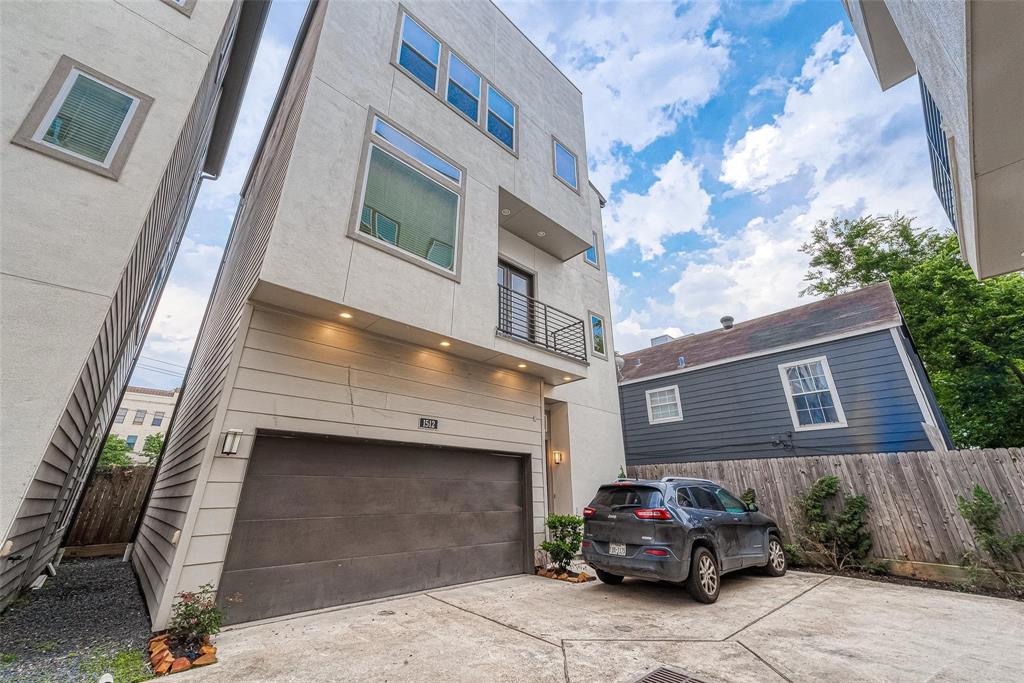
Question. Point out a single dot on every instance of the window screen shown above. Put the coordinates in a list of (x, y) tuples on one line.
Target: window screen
[(463, 87), (89, 118), (811, 395), (501, 118), (406, 208), (419, 52), (663, 404)]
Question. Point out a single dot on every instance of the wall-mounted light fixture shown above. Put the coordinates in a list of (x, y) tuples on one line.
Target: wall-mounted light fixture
[(557, 457), (231, 440)]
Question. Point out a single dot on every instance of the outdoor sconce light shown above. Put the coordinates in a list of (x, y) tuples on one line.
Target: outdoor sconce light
[(231, 441), (557, 455)]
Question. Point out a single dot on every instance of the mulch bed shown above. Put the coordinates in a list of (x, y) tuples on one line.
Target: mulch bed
[(167, 655), (570, 575), (92, 608), (919, 583)]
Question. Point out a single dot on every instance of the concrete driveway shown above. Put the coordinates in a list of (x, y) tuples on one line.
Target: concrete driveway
[(802, 627)]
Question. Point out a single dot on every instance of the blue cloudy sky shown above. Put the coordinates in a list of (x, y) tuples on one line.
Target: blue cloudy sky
[(719, 131)]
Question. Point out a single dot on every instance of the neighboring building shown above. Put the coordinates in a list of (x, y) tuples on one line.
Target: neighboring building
[(968, 56), (112, 113), (407, 360), (839, 375), (143, 412)]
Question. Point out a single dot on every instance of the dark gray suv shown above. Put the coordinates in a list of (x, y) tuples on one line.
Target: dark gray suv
[(678, 530)]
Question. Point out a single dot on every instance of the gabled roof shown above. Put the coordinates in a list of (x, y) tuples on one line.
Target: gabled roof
[(845, 314)]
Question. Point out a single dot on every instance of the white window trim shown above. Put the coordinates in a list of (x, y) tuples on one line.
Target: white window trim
[(662, 420), (58, 102), (831, 388)]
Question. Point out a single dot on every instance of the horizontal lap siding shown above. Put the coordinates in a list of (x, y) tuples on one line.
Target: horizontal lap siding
[(37, 530), (736, 410), (192, 423)]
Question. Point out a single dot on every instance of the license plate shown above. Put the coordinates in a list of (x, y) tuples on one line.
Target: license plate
[(617, 549)]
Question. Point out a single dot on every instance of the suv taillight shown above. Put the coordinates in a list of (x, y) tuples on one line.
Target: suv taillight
[(652, 513), (588, 512)]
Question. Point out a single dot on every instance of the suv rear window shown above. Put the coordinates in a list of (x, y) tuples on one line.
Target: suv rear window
[(627, 496)]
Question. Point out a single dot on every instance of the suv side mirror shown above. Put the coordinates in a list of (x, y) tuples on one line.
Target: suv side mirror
[(751, 507)]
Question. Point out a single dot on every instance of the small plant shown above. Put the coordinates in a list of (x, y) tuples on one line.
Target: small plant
[(566, 537), (115, 453), (833, 537), (153, 445), (995, 550), (622, 472), (128, 666), (195, 615), (749, 497)]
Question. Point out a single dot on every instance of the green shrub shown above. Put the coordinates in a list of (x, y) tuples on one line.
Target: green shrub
[(195, 615), (830, 536), (995, 550), (115, 453), (749, 497), (566, 537)]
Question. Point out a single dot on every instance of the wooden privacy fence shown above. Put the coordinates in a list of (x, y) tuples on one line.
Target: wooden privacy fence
[(912, 496), (110, 508)]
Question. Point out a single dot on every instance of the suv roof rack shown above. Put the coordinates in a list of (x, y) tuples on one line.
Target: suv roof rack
[(706, 481)]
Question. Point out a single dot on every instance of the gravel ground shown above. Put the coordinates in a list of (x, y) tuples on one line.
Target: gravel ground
[(92, 608)]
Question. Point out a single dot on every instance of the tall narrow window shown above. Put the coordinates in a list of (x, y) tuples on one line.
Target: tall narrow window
[(565, 165), (590, 256), (597, 341), (663, 405), (121, 414), (158, 419), (411, 198), (463, 87), (419, 52), (501, 118), (810, 391), (84, 118), (140, 417)]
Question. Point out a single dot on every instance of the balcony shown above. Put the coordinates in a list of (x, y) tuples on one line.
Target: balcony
[(522, 318)]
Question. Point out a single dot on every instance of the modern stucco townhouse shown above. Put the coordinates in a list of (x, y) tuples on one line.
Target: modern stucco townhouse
[(835, 376), (112, 113), (407, 361), (967, 55)]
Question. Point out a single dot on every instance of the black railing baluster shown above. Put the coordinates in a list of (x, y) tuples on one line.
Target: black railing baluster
[(524, 318)]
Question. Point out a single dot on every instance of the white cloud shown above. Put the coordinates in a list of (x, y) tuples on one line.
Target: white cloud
[(851, 148), (675, 203), (642, 67)]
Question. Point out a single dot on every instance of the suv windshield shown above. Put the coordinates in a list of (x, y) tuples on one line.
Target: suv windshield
[(627, 496)]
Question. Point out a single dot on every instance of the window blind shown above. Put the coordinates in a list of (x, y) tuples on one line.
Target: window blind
[(89, 119)]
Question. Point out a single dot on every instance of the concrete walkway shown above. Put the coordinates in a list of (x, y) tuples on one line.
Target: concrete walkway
[(802, 627)]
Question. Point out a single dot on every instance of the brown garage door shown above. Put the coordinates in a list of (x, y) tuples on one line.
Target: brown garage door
[(325, 522)]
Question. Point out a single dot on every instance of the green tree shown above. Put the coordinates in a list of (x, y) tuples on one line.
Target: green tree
[(115, 453), (969, 333), (153, 445)]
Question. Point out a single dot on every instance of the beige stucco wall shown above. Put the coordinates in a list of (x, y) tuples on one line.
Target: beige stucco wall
[(64, 241), (151, 403)]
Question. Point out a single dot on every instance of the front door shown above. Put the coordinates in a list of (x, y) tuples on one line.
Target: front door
[(515, 295)]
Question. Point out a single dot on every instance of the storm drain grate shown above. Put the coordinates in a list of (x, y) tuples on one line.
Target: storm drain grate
[(663, 675)]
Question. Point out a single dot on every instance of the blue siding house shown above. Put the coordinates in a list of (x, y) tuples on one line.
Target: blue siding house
[(835, 376)]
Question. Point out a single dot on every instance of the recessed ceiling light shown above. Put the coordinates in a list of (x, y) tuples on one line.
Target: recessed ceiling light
[(541, 233), (446, 343), (346, 316), (567, 379), (506, 212), (521, 365)]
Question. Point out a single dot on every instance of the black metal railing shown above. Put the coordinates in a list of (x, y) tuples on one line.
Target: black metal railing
[(524, 318), (938, 153)]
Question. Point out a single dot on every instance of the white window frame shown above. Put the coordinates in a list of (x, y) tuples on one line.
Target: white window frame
[(650, 409), (833, 391)]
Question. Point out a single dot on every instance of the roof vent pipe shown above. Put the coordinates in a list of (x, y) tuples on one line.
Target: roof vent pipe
[(726, 321)]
